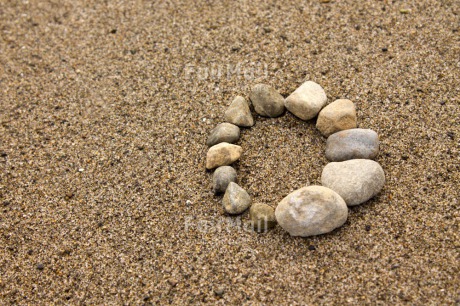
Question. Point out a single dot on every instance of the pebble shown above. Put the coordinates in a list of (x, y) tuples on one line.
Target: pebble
[(267, 101), (222, 154), (306, 101), (352, 144), (219, 291), (337, 116), (222, 177), (311, 210), (236, 199), (223, 132), (356, 180), (262, 217), (239, 113)]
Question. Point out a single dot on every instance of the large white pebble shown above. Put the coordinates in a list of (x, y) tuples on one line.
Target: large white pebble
[(311, 210), (356, 180)]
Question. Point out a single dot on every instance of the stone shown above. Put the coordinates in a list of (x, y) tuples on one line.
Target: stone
[(238, 113), (312, 210), (262, 217), (222, 177), (352, 144), (223, 132), (306, 101), (236, 200), (338, 116), (355, 180), (222, 154), (267, 101), (219, 291)]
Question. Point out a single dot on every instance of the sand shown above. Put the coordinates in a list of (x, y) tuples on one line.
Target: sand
[(105, 111)]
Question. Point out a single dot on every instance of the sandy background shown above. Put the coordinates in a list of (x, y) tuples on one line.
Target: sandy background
[(105, 110)]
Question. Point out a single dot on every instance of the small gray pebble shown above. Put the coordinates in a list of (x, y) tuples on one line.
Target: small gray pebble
[(223, 132), (267, 101), (236, 199), (239, 113), (222, 177), (352, 144)]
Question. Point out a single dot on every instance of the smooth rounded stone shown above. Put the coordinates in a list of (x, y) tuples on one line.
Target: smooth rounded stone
[(239, 113), (338, 116), (223, 132), (236, 199), (222, 177), (267, 101), (312, 210), (222, 154), (355, 180), (352, 144), (306, 101), (262, 217)]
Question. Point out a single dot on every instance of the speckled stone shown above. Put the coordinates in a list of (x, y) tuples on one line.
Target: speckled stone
[(267, 101), (222, 154), (262, 217), (223, 132), (352, 144), (306, 101), (312, 210), (337, 116), (222, 177), (236, 200), (239, 113), (356, 180)]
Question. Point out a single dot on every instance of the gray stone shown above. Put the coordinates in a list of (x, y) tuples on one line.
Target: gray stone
[(223, 132), (222, 177), (312, 210), (239, 113), (222, 154), (352, 144), (267, 101), (355, 180), (338, 116), (262, 217), (236, 200), (306, 101)]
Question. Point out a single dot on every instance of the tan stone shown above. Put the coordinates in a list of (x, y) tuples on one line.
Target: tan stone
[(338, 116), (222, 154)]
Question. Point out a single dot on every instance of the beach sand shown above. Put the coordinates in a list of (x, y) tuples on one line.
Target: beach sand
[(105, 111)]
